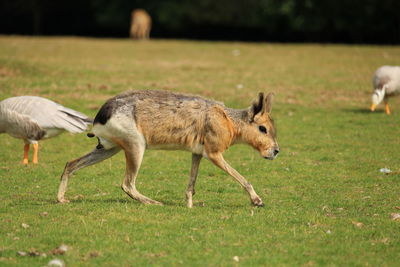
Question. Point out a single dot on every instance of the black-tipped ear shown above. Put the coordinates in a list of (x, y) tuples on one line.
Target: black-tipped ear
[(268, 102), (257, 106)]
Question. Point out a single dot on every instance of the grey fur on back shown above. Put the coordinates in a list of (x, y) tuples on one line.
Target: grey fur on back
[(157, 99)]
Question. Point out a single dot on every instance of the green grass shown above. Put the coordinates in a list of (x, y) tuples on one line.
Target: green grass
[(325, 180)]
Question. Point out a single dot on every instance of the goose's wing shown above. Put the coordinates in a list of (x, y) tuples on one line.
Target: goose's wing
[(48, 114), (389, 76), (19, 125)]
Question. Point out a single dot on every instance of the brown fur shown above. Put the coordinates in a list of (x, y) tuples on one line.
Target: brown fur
[(137, 120), (140, 24)]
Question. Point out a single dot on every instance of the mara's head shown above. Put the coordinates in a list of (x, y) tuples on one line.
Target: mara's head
[(260, 131), (377, 97)]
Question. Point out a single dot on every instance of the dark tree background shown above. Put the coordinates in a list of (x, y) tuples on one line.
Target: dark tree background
[(350, 21)]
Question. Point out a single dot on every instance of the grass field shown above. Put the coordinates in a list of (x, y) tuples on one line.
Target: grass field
[(327, 203)]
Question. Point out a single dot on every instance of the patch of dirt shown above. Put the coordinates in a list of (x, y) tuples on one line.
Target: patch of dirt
[(6, 72)]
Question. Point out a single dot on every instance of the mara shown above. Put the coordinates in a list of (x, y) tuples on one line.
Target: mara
[(140, 24), (137, 120)]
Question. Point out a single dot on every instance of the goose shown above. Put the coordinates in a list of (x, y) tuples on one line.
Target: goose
[(34, 118), (386, 83)]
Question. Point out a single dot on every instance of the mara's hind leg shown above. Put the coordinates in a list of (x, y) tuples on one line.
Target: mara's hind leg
[(91, 158), (134, 155), (192, 179)]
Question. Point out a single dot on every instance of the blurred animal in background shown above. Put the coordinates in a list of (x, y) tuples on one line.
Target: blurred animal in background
[(138, 120), (34, 118), (140, 24), (386, 83)]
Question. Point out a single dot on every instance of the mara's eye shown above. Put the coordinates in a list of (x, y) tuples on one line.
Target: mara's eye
[(262, 129)]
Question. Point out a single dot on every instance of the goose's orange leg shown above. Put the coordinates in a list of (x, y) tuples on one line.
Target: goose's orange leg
[(26, 150), (387, 109), (35, 153)]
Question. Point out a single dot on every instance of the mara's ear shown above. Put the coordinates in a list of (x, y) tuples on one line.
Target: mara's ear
[(257, 106), (268, 103)]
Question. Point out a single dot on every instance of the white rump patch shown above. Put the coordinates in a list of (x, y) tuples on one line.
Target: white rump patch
[(119, 126), (106, 143)]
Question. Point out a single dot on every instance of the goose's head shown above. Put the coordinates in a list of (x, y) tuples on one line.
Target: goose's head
[(377, 97)]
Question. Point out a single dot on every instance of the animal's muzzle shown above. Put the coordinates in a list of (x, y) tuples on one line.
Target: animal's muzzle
[(272, 153)]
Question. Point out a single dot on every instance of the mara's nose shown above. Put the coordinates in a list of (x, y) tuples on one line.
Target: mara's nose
[(276, 151)]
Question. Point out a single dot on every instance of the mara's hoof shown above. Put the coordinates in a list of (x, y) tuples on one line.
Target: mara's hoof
[(257, 202), (62, 201)]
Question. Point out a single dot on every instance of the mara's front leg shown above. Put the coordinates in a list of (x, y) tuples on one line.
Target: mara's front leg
[(219, 161), (192, 179)]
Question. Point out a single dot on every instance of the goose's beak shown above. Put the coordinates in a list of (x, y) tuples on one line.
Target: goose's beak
[(373, 106)]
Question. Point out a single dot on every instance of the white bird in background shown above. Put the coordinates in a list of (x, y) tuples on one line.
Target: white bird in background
[(386, 83), (34, 118)]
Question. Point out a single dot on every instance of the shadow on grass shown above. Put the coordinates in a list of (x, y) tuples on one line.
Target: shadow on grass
[(168, 203), (362, 111)]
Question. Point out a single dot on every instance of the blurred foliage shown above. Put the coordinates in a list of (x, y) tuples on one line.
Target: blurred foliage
[(357, 21)]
